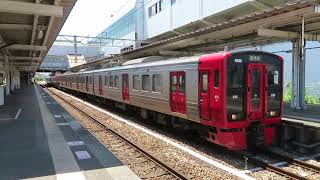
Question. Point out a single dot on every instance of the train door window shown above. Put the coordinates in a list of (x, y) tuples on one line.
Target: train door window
[(174, 83), (205, 82), (106, 81), (116, 82), (110, 81), (216, 79), (182, 82), (256, 85), (156, 83), (136, 82), (145, 82)]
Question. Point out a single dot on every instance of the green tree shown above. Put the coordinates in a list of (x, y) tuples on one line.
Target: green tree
[(287, 96), (39, 78)]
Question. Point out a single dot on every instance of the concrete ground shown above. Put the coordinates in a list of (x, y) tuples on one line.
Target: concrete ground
[(39, 139)]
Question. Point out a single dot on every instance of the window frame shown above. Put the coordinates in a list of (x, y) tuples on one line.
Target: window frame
[(106, 81), (111, 81), (142, 83), (133, 82), (116, 82), (173, 83), (202, 82), (153, 83), (182, 74)]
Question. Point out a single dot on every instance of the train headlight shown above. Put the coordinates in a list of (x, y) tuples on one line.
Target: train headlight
[(234, 116), (272, 113)]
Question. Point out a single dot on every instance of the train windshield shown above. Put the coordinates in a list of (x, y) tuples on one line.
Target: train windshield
[(236, 83)]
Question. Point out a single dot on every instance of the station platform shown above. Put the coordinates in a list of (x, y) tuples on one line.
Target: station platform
[(309, 117), (40, 140)]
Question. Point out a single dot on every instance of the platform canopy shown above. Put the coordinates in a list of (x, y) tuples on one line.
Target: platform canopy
[(257, 22), (28, 29), (276, 24)]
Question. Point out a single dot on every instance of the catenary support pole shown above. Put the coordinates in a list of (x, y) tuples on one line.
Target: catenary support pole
[(298, 71)]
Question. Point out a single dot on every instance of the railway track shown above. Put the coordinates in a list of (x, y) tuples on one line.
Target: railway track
[(276, 167), (147, 165), (253, 159)]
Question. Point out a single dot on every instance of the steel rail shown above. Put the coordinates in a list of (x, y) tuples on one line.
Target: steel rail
[(293, 161), (270, 167), (170, 169), (240, 154)]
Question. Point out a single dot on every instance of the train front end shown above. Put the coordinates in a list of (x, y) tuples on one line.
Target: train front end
[(244, 115), (254, 90)]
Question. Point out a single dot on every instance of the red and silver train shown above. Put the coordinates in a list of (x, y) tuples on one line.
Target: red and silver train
[(234, 99)]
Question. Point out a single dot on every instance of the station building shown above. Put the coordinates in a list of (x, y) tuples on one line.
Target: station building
[(147, 21)]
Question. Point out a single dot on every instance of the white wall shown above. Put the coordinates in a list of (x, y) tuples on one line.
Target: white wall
[(210, 7), (183, 12), (159, 23)]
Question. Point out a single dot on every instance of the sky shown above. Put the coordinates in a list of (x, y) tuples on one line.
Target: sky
[(90, 17)]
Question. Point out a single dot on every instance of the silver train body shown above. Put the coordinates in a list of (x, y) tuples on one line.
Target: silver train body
[(147, 99)]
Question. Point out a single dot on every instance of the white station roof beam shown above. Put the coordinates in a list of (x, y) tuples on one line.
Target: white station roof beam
[(20, 58), (26, 41), (25, 27), (18, 7), (26, 47), (287, 34)]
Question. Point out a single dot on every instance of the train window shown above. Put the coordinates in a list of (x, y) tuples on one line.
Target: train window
[(205, 82), (273, 77), (136, 82), (236, 76), (116, 82), (156, 83), (235, 89), (110, 81), (216, 79), (173, 83), (182, 83), (106, 81), (274, 89), (145, 82)]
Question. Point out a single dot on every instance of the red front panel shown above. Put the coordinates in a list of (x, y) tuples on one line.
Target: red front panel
[(211, 100), (125, 87), (177, 92)]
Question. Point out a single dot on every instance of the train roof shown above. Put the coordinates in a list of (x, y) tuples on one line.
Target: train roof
[(159, 61), (181, 60)]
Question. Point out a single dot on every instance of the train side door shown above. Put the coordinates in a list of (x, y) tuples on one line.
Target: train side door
[(125, 87), (204, 94), (100, 85), (87, 83), (257, 91), (77, 81), (177, 92)]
